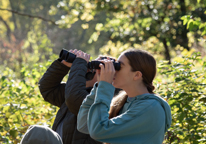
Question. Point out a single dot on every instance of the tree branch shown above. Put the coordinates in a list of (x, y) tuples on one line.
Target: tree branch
[(28, 15), (8, 28)]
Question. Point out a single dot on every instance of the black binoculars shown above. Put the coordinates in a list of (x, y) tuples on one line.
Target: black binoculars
[(70, 57)]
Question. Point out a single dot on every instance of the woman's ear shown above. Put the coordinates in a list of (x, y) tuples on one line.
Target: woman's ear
[(137, 75)]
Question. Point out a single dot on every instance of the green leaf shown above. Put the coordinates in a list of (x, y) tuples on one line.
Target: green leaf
[(99, 26), (204, 32), (203, 99), (13, 133), (202, 25), (182, 116), (185, 19), (204, 64), (190, 24), (177, 79)]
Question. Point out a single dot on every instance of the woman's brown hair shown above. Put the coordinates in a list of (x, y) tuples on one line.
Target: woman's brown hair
[(144, 62)]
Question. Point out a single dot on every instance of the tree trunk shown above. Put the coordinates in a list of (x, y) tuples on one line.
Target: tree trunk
[(167, 54), (184, 32)]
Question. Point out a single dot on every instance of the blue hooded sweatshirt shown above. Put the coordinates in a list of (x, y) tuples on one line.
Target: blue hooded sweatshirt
[(144, 119)]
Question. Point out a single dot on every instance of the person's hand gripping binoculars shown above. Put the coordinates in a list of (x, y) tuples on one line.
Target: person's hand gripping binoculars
[(79, 54)]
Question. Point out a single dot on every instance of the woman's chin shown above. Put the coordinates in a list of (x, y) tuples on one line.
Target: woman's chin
[(114, 84)]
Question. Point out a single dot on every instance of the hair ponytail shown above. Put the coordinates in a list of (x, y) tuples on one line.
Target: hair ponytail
[(150, 87), (116, 105)]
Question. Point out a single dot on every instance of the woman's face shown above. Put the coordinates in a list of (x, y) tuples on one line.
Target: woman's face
[(124, 76)]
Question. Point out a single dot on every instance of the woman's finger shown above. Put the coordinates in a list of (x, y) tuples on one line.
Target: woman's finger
[(109, 65), (102, 67)]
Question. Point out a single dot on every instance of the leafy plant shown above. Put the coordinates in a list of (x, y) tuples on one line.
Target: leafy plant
[(183, 85), (21, 104)]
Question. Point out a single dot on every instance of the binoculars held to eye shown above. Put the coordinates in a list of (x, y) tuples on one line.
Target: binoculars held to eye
[(70, 57)]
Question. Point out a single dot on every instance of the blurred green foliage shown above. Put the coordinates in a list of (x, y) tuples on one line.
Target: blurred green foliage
[(195, 22), (21, 104), (133, 22)]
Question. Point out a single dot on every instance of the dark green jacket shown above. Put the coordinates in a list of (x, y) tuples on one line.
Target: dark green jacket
[(68, 97)]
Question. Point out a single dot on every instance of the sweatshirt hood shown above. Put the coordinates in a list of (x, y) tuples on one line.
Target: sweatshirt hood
[(164, 105), (37, 134)]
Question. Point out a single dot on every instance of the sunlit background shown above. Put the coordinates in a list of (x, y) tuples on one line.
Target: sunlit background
[(33, 32)]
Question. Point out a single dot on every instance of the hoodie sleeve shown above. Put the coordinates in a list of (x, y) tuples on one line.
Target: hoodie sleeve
[(50, 85), (143, 119), (75, 91), (83, 111)]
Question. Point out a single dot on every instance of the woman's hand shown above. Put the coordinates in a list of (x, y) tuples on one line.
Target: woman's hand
[(106, 72)]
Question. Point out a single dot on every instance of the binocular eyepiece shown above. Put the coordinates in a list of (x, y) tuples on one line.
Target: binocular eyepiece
[(70, 57)]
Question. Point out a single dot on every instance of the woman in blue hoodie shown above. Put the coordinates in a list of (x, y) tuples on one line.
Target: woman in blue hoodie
[(137, 117)]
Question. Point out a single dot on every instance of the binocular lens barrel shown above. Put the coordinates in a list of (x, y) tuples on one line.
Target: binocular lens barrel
[(95, 65), (67, 56), (70, 57)]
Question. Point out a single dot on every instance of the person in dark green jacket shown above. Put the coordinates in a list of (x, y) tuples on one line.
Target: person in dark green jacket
[(68, 96), (144, 116)]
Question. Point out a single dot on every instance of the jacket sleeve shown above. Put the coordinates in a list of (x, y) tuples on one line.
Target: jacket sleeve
[(83, 111), (133, 123), (75, 91), (50, 85)]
